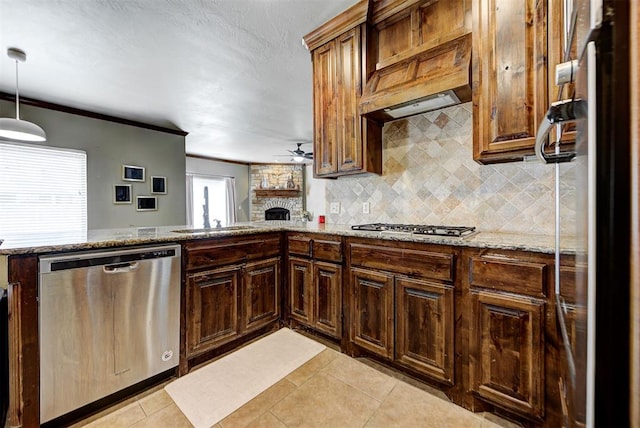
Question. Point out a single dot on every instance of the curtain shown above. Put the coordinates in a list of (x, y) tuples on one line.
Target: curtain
[(189, 199), (230, 187)]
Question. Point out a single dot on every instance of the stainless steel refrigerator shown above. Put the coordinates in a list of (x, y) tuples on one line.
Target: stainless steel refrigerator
[(593, 318)]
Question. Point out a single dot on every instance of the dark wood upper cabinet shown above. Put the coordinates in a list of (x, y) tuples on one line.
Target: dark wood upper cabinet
[(402, 29), (510, 77), (344, 142), (558, 43)]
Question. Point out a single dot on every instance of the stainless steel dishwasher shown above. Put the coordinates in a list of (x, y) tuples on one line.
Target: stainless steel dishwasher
[(108, 319)]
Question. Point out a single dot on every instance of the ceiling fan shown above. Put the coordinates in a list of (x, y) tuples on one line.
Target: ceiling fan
[(299, 155)]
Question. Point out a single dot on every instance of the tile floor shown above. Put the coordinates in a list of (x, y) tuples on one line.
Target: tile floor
[(330, 390)]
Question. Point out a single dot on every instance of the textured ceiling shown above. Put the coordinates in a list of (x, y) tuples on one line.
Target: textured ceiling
[(232, 73)]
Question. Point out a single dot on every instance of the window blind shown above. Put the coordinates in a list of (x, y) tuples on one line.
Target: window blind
[(43, 190)]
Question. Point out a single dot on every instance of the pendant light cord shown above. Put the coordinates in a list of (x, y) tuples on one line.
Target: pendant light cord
[(17, 94)]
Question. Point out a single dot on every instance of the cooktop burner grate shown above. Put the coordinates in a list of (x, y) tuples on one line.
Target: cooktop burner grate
[(419, 229)]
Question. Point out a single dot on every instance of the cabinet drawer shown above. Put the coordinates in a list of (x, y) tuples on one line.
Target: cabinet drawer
[(210, 253), (568, 276), (511, 275), (300, 245), (330, 251), (409, 262)]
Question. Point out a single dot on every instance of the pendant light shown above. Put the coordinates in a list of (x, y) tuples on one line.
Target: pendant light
[(18, 129)]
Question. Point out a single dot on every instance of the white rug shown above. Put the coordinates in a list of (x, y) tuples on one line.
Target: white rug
[(209, 394)]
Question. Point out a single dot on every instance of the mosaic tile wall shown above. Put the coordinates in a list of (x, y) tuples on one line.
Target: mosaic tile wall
[(277, 176), (429, 177)]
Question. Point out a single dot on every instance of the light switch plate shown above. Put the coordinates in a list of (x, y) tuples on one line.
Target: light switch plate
[(365, 208), (334, 208)]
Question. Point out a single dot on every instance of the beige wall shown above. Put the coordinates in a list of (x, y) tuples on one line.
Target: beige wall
[(108, 146), (429, 177)]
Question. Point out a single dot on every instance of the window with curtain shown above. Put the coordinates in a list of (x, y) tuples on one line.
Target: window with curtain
[(43, 191), (220, 194)]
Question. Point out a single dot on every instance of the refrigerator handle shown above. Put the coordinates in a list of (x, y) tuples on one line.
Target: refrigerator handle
[(565, 111)]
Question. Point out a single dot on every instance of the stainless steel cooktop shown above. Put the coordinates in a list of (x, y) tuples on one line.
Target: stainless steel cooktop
[(419, 229)]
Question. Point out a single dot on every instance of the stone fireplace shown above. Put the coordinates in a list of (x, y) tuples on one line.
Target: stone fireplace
[(275, 194)]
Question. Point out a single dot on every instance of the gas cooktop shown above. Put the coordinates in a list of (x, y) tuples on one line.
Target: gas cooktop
[(419, 229)]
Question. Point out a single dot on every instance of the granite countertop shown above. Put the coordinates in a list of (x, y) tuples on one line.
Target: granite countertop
[(105, 238)]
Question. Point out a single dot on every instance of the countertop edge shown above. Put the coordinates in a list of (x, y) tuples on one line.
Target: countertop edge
[(108, 238)]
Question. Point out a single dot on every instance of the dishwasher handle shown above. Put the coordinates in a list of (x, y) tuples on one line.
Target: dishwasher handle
[(120, 268)]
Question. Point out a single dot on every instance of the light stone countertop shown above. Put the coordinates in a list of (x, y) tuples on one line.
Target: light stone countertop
[(106, 238)]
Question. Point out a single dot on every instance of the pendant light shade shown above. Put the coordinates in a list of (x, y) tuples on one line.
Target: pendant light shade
[(18, 129)]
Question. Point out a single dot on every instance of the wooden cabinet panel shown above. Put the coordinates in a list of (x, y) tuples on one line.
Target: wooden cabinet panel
[(373, 311), (576, 323), (508, 349), (315, 282), (418, 27), (301, 289), (212, 305), (261, 285), (299, 245), (327, 279), (327, 250), (402, 260), (557, 45), (344, 142), (424, 327), (348, 92), (219, 252), (511, 275), (325, 115), (509, 77)]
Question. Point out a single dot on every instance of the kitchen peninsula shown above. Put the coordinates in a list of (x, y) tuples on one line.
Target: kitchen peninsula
[(472, 316)]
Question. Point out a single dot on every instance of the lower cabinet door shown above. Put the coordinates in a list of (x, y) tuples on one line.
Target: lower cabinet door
[(373, 311), (327, 285), (508, 348), (261, 299), (300, 290), (424, 328), (212, 305)]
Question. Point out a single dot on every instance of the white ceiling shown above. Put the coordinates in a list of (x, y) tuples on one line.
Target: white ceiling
[(232, 73)]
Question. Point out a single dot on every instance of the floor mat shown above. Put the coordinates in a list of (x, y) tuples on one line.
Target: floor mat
[(209, 394)]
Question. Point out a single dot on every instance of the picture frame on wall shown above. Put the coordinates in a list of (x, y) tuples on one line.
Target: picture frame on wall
[(158, 185), (146, 203), (122, 193), (132, 173)]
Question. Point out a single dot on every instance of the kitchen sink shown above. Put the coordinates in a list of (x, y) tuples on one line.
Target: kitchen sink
[(213, 229)]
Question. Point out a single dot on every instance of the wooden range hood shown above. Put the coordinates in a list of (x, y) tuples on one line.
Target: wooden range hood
[(418, 57), (427, 81)]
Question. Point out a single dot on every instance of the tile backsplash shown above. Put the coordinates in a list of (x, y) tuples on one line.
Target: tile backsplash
[(430, 177)]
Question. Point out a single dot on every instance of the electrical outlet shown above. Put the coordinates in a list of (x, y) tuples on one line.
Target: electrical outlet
[(334, 208), (365, 208)]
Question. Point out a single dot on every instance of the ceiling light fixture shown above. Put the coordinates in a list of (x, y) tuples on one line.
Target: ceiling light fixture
[(17, 129), (298, 158)]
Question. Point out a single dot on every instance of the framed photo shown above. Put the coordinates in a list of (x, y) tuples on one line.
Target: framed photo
[(146, 203), (158, 185), (132, 173), (122, 193)]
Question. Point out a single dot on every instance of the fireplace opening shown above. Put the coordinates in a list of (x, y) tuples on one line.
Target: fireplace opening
[(277, 213)]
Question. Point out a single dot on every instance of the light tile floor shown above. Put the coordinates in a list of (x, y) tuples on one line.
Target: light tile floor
[(330, 390)]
